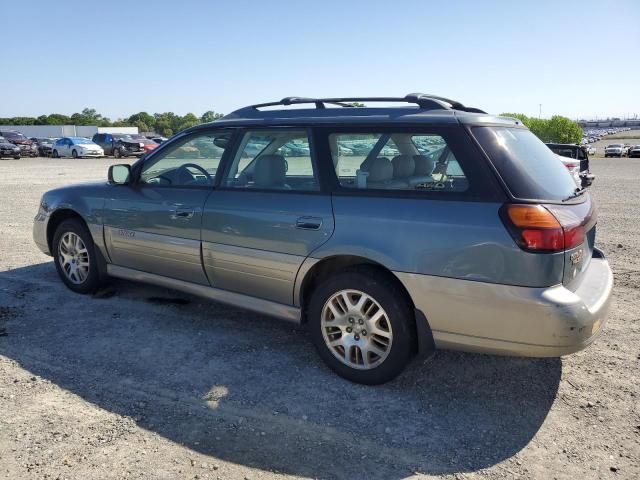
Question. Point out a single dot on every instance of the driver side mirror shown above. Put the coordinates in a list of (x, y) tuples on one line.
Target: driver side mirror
[(119, 174)]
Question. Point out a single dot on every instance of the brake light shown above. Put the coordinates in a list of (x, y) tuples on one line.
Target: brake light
[(537, 228)]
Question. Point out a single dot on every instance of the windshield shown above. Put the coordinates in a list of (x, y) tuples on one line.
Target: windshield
[(530, 169), (80, 141), (615, 145)]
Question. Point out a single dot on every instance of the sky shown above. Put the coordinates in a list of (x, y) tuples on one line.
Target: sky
[(576, 58)]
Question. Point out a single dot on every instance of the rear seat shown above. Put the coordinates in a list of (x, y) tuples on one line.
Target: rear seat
[(381, 175), (424, 168), (404, 167), (412, 170)]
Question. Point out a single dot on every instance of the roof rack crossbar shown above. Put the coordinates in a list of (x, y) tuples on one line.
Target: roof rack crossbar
[(424, 101)]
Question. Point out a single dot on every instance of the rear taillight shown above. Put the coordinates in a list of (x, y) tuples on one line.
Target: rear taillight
[(552, 228), (571, 166)]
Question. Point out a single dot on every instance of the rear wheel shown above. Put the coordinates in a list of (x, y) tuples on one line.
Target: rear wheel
[(74, 154), (16, 157), (75, 256), (55, 154), (117, 153), (362, 325)]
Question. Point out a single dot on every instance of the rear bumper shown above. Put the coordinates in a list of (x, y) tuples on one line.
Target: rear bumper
[(510, 320)]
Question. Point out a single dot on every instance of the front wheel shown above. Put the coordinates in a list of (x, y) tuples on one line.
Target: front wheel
[(117, 153), (75, 257), (363, 326), (74, 154), (55, 154), (16, 157)]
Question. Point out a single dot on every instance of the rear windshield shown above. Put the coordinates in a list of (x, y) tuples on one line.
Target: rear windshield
[(530, 169)]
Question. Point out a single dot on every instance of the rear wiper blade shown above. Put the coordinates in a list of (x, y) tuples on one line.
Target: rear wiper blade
[(576, 193)]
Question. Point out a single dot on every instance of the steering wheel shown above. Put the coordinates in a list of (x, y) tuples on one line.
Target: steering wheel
[(183, 169)]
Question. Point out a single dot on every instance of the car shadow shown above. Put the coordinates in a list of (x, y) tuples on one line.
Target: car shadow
[(247, 389)]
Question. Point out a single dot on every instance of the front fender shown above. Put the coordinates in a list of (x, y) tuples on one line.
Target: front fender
[(84, 200)]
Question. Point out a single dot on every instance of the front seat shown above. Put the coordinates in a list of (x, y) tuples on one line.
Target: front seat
[(270, 172)]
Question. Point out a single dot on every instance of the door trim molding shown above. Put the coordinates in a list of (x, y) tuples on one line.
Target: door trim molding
[(265, 307)]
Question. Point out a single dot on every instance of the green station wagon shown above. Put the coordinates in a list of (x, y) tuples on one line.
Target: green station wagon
[(411, 224)]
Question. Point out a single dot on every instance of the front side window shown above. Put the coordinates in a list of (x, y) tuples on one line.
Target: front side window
[(396, 161), (192, 161), (273, 160)]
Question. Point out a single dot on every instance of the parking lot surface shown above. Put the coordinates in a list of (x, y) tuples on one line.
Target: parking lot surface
[(143, 382)]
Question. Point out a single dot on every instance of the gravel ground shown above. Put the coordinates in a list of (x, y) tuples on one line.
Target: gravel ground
[(143, 382)]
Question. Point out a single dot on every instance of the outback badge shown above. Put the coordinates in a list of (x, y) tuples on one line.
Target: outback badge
[(576, 257)]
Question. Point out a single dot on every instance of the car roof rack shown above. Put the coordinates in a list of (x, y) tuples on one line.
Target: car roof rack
[(423, 100)]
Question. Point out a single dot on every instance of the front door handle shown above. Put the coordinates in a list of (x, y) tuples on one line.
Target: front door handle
[(309, 223)]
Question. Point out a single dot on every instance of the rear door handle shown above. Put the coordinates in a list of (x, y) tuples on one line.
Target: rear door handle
[(182, 213), (309, 223)]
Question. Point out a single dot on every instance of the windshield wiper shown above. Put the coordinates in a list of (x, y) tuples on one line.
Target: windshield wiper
[(576, 193)]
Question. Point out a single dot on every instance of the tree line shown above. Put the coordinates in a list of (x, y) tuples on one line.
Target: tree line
[(165, 124), (557, 129)]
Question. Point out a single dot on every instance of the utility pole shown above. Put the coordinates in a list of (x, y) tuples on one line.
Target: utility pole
[(540, 111)]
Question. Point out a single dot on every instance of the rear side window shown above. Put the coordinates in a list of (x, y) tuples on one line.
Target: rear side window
[(396, 161), (529, 168)]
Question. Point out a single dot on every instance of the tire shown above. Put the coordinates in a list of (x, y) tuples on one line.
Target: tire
[(117, 153), (54, 154), (74, 154), (66, 231), (396, 323), (17, 157)]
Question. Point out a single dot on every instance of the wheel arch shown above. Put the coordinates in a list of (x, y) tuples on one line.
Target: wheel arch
[(334, 264), (57, 218), (322, 269), (66, 213)]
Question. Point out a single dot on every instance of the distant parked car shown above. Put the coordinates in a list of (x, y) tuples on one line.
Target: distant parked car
[(634, 151), (579, 154), (119, 144), (148, 144), (24, 144), (76, 147), (8, 149), (158, 139), (573, 166), (614, 150), (44, 145), (591, 150)]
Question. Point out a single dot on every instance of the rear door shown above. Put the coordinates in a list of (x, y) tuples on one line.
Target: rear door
[(154, 224), (268, 215)]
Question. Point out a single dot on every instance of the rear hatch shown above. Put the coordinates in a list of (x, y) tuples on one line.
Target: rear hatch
[(548, 213)]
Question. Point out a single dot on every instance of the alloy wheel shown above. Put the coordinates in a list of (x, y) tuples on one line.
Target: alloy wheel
[(73, 257), (356, 329)]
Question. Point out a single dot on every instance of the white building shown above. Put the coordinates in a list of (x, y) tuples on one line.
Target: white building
[(65, 130)]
